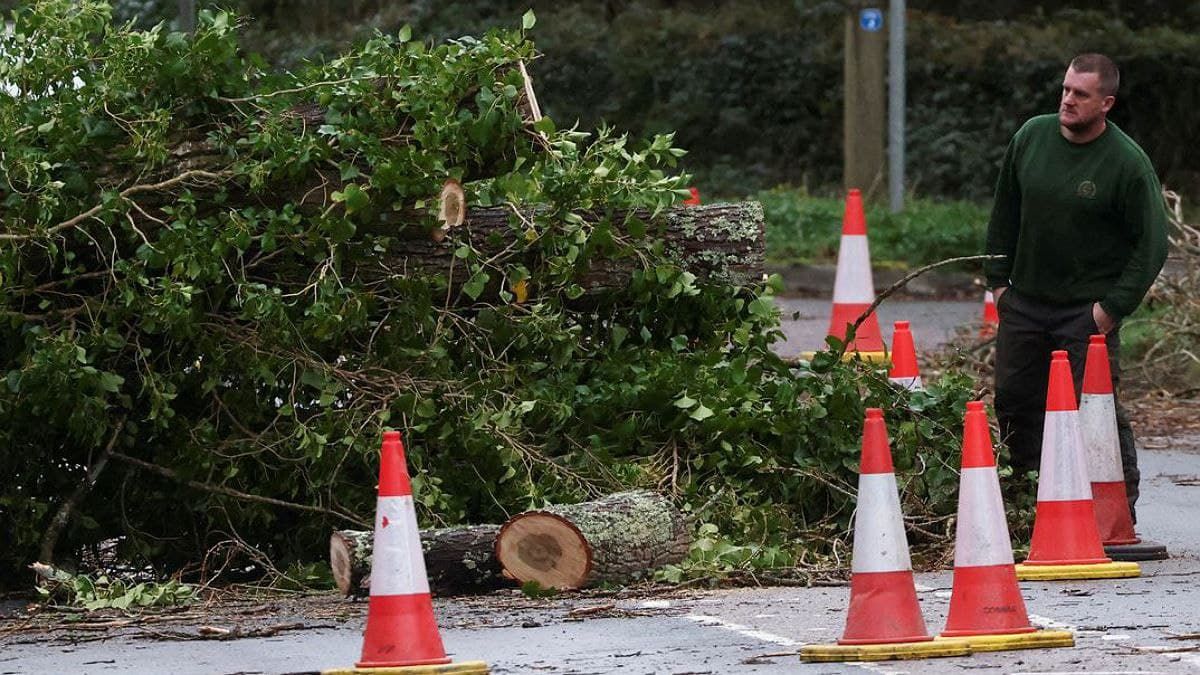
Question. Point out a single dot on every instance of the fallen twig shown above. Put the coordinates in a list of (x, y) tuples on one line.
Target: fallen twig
[(588, 611), (765, 658)]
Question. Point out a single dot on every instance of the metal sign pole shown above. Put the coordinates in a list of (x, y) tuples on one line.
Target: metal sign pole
[(896, 104)]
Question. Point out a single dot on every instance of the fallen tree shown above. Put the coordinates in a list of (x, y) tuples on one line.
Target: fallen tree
[(205, 353)]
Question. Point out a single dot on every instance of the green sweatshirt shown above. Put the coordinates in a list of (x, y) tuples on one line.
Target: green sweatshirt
[(1078, 222)]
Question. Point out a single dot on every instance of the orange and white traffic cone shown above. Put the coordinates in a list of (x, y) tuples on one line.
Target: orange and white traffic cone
[(1098, 418), (1066, 543), (694, 199), (986, 607), (402, 634), (991, 317), (853, 287), (905, 371), (884, 619)]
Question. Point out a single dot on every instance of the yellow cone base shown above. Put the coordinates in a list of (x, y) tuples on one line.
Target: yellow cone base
[(1042, 639), (886, 652), (463, 668), (1110, 570), (869, 357)]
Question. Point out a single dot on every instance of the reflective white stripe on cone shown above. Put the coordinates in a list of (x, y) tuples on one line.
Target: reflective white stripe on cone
[(397, 564)]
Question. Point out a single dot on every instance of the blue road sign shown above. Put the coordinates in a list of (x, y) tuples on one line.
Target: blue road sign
[(870, 19)]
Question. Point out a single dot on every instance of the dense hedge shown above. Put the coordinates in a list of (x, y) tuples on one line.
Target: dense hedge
[(754, 89)]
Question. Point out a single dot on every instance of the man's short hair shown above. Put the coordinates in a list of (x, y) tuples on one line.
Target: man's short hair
[(1110, 77)]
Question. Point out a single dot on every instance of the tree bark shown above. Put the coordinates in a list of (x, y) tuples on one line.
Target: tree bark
[(719, 242), (457, 560), (615, 539)]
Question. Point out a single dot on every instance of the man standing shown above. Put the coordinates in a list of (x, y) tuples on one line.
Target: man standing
[(1079, 215)]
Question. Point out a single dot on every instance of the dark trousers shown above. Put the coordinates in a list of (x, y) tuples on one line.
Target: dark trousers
[(1029, 331)]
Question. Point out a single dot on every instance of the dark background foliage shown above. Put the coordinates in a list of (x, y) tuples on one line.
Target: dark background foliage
[(753, 89)]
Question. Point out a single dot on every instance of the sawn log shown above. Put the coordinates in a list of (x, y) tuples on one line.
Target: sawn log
[(457, 560), (615, 539)]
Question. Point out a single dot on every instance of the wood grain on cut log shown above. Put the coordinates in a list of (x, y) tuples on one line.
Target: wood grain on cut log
[(457, 560), (615, 539)]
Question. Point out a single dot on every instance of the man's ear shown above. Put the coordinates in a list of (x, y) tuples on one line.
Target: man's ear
[(1108, 103)]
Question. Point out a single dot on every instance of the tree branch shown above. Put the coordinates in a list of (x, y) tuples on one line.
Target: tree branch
[(236, 494), (909, 277), (125, 194), (63, 515)]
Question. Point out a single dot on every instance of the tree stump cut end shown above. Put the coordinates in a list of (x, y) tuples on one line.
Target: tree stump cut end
[(545, 548)]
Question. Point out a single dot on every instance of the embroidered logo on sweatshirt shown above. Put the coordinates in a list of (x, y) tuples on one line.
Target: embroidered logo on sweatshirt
[(1086, 189)]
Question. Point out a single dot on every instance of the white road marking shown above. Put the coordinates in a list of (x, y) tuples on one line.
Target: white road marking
[(1114, 637), (746, 631), (655, 604), (1091, 672), (1045, 622), (705, 620)]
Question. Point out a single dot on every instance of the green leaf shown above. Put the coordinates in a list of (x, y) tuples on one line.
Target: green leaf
[(685, 402), (111, 382), (619, 333), (353, 196), (405, 34), (528, 20), (701, 413), (475, 285)]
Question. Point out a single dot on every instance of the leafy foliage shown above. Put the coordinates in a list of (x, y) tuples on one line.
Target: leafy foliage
[(806, 227), (104, 592), (200, 284)]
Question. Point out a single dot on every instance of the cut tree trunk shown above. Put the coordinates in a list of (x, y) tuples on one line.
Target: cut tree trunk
[(457, 560), (615, 539), (719, 242)]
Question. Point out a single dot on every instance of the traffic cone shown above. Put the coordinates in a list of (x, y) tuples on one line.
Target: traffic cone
[(991, 318), (402, 634), (884, 619), (1098, 418), (905, 371), (694, 200), (986, 607), (853, 287), (1066, 543)]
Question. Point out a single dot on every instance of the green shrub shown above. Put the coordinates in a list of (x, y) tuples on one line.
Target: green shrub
[(804, 228)]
